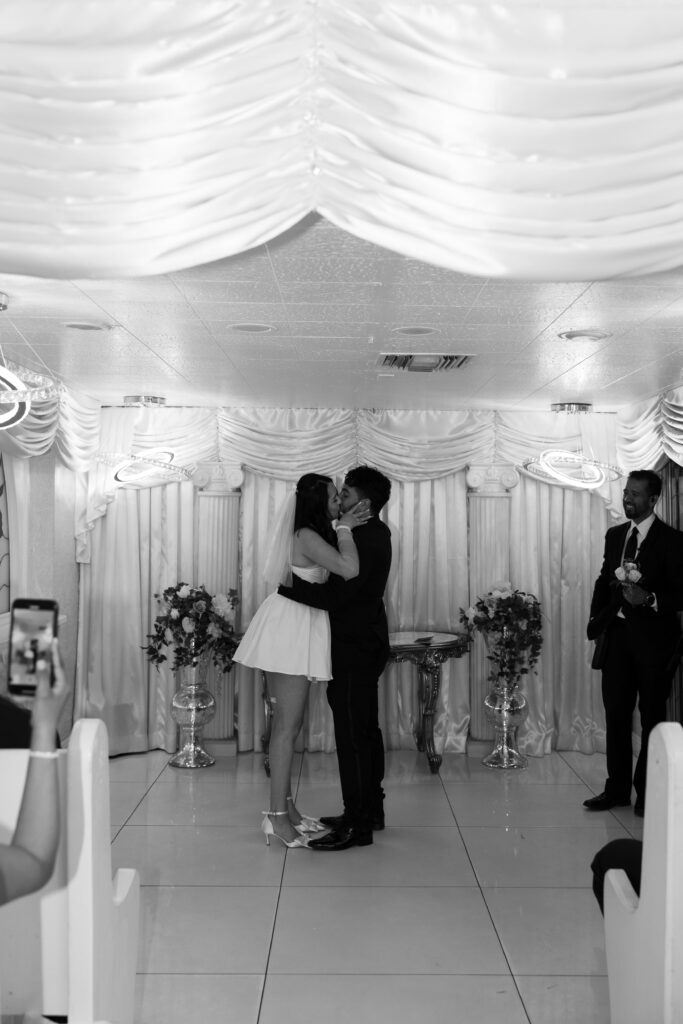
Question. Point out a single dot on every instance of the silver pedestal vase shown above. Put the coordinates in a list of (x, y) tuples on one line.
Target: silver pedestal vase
[(505, 708), (192, 708)]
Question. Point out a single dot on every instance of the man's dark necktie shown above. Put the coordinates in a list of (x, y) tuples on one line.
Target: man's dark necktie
[(631, 546)]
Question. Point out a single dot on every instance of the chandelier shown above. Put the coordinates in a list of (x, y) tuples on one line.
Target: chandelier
[(570, 469), (154, 467), (20, 387)]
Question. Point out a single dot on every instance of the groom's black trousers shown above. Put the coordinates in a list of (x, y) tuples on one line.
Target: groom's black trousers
[(353, 697)]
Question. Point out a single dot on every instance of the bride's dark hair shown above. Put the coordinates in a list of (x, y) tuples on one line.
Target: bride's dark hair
[(311, 505)]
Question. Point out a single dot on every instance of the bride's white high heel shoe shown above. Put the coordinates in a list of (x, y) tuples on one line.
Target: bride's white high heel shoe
[(307, 825), (268, 830)]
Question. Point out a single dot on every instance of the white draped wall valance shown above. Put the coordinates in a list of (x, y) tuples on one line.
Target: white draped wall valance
[(284, 443), (651, 431), (488, 138)]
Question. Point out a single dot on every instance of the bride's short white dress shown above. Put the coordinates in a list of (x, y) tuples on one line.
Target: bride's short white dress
[(285, 636)]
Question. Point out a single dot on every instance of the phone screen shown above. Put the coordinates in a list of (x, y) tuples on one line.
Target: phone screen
[(33, 626)]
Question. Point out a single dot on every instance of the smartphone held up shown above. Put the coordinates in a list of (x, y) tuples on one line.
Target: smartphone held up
[(33, 626)]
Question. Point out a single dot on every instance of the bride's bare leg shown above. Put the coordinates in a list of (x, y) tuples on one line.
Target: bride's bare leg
[(288, 695)]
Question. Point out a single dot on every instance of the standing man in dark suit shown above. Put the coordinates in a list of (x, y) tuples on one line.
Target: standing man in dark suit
[(637, 622), (360, 648)]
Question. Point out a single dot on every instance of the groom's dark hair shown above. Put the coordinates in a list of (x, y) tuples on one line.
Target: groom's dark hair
[(371, 483)]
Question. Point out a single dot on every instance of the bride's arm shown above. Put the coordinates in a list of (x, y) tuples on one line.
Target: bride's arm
[(343, 562)]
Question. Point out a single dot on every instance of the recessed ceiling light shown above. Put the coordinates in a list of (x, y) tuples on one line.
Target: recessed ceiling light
[(251, 328), (589, 334), (415, 331), (86, 325)]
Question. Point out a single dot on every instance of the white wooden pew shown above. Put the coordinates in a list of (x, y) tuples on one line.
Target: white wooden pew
[(71, 948), (644, 936)]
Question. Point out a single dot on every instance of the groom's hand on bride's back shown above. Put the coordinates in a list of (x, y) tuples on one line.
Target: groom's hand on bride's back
[(327, 596)]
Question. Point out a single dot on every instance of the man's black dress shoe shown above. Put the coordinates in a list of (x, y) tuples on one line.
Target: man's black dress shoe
[(341, 839), (639, 809), (339, 821), (332, 820), (604, 803)]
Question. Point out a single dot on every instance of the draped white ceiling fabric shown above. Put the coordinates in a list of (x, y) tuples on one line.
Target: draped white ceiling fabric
[(525, 140)]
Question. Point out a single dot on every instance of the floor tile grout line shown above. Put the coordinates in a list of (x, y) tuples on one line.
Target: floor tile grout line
[(144, 795), (295, 790), (488, 910), (573, 769)]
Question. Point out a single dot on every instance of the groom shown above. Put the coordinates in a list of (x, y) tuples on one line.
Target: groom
[(360, 648)]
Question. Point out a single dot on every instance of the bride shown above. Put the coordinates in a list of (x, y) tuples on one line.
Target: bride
[(289, 641)]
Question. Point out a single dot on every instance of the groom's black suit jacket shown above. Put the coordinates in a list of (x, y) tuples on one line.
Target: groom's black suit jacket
[(660, 560), (358, 619)]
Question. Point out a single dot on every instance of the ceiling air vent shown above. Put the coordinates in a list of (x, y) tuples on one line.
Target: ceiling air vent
[(423, 362), (143, 401)]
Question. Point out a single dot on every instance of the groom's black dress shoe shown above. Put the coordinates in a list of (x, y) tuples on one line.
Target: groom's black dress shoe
[(639, 808), (339, 821), (341, 839), (604, 803)]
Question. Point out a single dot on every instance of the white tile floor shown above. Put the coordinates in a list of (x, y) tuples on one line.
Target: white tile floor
[(473, 906)]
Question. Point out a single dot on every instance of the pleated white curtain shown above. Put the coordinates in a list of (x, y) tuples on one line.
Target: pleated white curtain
[(427, 587), (143, 544), (556, 548), (189, 433)]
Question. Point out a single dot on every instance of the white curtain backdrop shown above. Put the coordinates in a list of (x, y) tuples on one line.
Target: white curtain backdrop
[(427, 587), (556, 548), (143, 544), (488, 138), (142, 540)]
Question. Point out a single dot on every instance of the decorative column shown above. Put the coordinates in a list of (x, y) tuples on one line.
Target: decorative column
[(488, 517), (217, 562)]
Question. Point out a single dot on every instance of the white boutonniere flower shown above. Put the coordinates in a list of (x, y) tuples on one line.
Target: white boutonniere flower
[(628, 574)]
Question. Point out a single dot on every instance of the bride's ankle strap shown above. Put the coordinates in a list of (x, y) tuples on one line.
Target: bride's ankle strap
[(275, 814)]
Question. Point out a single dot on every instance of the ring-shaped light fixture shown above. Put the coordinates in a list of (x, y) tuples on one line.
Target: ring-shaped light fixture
[(12, 411), (20, 387), (570, 469), (147, 469)]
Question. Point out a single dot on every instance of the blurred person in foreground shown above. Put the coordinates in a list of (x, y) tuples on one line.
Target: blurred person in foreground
[(27, 862)]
